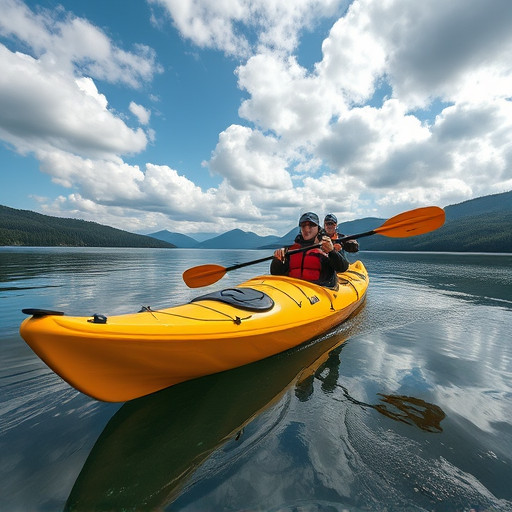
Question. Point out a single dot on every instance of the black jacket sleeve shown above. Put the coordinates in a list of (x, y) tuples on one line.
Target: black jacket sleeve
[(338, 261), (278, 268), (335, 262)]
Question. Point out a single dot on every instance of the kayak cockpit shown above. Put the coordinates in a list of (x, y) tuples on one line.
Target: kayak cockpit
[(245, 298)]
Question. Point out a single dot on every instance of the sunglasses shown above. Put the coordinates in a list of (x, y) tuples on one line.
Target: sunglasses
[(330, 223), (308, 224)]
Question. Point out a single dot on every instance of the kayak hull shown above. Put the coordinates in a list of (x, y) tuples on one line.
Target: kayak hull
[(137, 354)]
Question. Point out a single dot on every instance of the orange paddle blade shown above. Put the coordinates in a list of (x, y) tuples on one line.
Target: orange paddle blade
[(203, 275), (412, 223)]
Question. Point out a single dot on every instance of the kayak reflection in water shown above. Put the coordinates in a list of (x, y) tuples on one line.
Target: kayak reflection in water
[(152, 446)]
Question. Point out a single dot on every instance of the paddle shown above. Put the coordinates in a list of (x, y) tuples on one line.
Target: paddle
[(411, 223)]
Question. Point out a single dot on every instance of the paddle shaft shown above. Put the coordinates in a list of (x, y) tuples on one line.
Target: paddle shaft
[(353, 237), (302, 249), (267, 258)]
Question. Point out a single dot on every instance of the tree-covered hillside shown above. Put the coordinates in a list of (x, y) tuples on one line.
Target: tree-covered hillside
[(493, 203), (23, 227), (482, 224), (488, 232)]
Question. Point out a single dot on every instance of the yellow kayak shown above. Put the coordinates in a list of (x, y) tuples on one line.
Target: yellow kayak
[(124, 357)]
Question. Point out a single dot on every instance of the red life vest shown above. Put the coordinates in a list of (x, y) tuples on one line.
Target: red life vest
[(306, 265)]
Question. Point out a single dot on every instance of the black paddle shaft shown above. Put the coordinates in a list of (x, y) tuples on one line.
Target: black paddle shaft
[(267, 258), (302, 249), (295, 251)]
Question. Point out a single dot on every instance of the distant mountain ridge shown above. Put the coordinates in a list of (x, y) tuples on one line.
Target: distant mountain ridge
[(234, 239), (237, 239), (177, 239), (481, 225)]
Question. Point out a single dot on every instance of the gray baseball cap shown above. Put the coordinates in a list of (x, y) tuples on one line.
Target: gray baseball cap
[(309, 216)]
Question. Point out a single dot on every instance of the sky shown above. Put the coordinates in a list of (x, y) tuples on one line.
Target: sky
[(208, 115)]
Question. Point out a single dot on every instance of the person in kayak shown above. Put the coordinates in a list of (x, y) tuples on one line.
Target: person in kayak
[(319, 264), (330, 225)]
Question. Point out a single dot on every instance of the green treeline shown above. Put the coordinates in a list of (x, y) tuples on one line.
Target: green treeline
[(488, 232), (23, 227)]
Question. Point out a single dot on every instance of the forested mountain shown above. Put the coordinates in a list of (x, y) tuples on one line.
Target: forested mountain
[(23, 227), (483, 224), (488, 232), (494, 203)]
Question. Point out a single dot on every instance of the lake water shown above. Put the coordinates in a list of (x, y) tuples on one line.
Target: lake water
[(405, 407)]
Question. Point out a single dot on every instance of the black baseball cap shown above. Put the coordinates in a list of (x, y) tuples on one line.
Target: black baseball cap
[(309, 216)]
